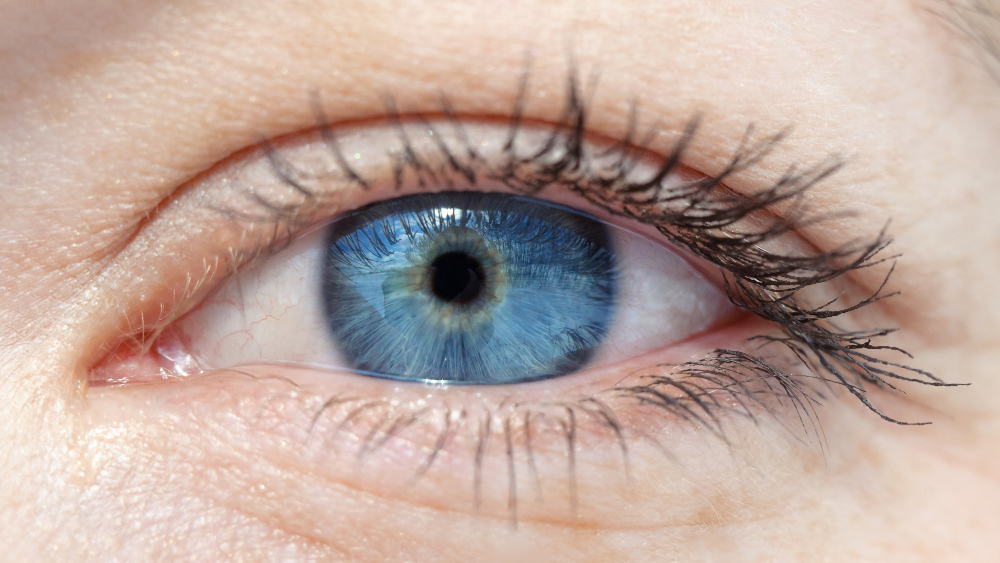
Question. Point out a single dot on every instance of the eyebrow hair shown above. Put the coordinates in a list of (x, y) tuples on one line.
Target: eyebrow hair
[(979, 22)]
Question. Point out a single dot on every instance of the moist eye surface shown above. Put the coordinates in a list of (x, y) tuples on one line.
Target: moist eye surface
[(468, 287)]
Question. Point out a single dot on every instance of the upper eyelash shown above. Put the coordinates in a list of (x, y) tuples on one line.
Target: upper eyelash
[(700, 216), (757, 280)]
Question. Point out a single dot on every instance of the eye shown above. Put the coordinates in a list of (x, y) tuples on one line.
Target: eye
[(491, 270), (457, 287)]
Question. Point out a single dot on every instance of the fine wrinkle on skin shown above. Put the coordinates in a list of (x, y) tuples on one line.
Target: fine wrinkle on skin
[(288, 470)]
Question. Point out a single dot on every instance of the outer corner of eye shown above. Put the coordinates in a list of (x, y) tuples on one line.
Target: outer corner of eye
[(456, 287)]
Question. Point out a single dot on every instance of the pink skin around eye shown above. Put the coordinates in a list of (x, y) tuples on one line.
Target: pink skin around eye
[(167, 358)]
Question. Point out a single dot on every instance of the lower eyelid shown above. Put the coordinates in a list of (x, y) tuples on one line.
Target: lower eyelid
[(358, 432), (274, 404)]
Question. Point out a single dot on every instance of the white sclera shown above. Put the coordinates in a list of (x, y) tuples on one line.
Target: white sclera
[(662, 299), (272, 312)]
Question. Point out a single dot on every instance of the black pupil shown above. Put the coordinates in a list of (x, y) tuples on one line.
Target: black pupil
[(456, 277)]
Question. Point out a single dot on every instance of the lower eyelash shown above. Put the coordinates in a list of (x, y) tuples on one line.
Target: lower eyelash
[(700, 392)]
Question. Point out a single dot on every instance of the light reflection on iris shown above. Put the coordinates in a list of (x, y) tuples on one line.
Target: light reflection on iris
[(469, 288)]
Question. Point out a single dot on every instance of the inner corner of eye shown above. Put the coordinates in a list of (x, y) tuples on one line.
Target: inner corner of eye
[(451, 287), (147, 358)]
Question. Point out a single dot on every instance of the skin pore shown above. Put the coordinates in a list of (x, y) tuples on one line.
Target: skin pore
[(118, 116)]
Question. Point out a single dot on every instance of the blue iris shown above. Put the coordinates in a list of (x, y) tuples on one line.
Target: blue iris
[(468, 287)]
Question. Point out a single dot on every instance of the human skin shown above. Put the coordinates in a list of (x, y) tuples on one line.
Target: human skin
[(111, 112)]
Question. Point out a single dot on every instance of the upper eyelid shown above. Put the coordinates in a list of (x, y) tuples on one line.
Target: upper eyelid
[(625, 154), (272, 151), (199, 202)]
